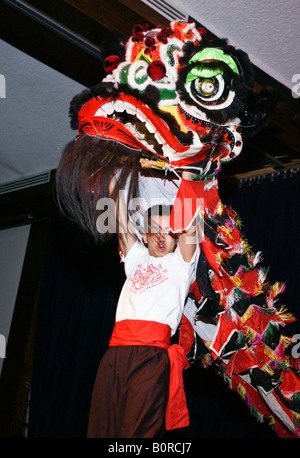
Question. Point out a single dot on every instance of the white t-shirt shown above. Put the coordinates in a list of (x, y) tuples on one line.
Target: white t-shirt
[(156, 287)]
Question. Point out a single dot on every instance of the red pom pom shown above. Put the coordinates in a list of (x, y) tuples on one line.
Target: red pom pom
[(164, 34), (202, 31), (138, 36), (150, 41), (110, 63), (140, 28), (137, 28), (156, 70)]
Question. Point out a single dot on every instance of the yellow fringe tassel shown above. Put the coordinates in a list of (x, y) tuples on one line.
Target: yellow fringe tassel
[(237, 281), (271, 421), (266, 368), (241, 390), (250, 334), (284, 316), (220, 207), (247, 314)]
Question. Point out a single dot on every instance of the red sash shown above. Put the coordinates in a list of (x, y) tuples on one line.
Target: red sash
[(152, 333)]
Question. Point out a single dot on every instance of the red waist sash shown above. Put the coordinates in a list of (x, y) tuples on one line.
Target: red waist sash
[(152, 333)]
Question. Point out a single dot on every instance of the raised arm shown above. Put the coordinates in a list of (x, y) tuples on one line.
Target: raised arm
[(125, 236), (188, 240)]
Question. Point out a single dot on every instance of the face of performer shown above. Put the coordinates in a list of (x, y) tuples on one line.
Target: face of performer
[(158, 238)]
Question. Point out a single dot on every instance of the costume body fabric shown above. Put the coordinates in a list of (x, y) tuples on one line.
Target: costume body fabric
[(133, 399), (176, 99)]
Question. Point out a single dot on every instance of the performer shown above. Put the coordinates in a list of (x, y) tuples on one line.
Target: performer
[(131, 397)]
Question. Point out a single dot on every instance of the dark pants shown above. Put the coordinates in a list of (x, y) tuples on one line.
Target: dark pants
[(130, 394)]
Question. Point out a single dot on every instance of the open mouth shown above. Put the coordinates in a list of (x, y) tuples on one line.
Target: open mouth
[(147, 127), (161, 246), (142, 128)]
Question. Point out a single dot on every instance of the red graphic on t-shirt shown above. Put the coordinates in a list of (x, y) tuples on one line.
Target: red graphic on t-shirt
[(147, 278)]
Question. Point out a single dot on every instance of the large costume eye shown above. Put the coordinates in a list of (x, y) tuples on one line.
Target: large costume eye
[(210, 91), (209, 79)]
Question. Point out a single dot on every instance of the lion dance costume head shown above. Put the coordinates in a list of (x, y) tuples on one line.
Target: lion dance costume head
[(175, 99)]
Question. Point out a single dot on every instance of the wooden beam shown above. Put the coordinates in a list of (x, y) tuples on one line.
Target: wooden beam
[(119, 16), (44, 44)]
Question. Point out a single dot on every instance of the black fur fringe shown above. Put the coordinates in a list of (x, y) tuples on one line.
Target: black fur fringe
[(83, 176)]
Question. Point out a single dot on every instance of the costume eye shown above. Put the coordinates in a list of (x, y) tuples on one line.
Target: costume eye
[(209, 78), (205, 87), (208, 90)]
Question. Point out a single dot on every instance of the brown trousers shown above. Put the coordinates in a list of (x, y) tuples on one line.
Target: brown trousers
[(130, 394)]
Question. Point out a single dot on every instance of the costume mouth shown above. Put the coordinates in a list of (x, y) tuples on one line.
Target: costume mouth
[(135, 124), (148, 127), (142, 130)]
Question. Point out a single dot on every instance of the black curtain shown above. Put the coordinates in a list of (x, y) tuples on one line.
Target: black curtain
[(79, 294), (269, 207)]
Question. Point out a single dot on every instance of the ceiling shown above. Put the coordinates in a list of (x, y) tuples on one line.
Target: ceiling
[(50, 51)]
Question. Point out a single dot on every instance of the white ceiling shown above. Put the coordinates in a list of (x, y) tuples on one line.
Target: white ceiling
[(34, 125)]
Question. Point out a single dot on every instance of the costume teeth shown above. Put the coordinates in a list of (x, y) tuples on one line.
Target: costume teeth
[(129, 108), (150, 127), (159, 139), (100, 112), (140, 115), (119, 106), (108, 108), (167, 150)]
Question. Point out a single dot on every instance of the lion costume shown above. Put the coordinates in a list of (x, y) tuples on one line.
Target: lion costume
[(179, 99)]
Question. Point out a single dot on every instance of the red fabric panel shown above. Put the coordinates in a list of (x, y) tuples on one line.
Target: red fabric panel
[(139, 332)]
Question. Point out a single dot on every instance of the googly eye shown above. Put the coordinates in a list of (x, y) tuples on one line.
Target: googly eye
[(205, 87), (209, 91)]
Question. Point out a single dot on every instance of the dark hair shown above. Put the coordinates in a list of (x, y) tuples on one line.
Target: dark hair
[(83, 175), (156, 210), (159, 210)]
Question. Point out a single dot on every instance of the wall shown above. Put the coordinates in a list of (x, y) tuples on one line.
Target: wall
[(13, 243)]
